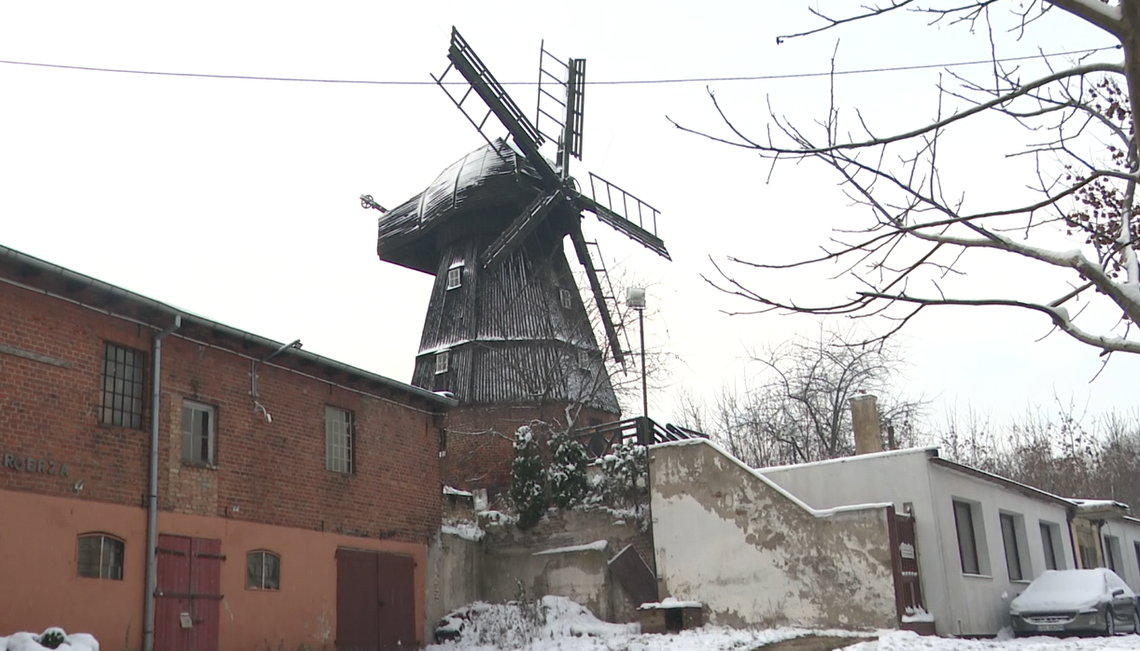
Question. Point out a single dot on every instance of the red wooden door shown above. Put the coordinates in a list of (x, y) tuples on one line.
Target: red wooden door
[(911, 609), (375, 601), (187, 594)]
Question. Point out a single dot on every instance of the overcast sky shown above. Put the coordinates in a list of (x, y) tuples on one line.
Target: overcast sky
[(237, 199)]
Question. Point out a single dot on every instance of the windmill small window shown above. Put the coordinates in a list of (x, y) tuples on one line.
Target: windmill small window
[(584, 359), (565, 297), (455, 276), (441, 362)]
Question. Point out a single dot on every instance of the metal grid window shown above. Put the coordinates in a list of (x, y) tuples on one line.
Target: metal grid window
[(199, 439), (262, 570), (100, 557), (122, 400), (338, 440)]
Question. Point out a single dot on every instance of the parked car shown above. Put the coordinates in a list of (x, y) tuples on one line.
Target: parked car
[(1076, 601)]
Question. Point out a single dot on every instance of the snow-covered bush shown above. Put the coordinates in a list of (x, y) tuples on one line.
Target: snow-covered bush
[(528, 478), (568, 483), (623, 481), (52, 638)]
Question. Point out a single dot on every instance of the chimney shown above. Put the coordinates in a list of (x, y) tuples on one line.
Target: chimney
[(865, 421)]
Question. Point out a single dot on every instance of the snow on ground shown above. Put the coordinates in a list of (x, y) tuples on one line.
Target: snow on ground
[(570, 627)]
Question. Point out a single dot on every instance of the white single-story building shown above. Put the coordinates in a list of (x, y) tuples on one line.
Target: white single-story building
[(980, 538)]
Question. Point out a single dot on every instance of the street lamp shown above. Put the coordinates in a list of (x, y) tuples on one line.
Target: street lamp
[(635, 298)]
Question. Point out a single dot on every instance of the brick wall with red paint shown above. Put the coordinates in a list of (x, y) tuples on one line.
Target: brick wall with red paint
[(480, 438), (51, 354)]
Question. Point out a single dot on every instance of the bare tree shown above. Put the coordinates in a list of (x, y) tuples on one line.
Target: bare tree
[(915, 230), (1064, 450), (797, 409)]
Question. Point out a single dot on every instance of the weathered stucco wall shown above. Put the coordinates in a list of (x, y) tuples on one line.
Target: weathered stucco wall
[(754, 555), (511, 557), (454, 567)]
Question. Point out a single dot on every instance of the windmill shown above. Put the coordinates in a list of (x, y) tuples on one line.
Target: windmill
[(506, 324)]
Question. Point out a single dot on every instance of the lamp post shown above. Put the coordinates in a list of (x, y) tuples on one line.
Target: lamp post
[(635, 298)]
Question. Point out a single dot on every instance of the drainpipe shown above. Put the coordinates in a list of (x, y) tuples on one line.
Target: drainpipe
[(152, 491)]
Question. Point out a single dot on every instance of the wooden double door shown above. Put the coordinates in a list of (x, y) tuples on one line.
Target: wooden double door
[(187, 594), (375, 601)]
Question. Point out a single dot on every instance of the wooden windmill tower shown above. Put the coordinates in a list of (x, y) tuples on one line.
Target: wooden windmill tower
[(506, 330)]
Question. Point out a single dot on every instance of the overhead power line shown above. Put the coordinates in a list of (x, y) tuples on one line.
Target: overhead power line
[(626, 82)]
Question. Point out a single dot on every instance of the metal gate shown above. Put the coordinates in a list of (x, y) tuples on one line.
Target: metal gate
[(375, 601), (187, 594), (909, 605)]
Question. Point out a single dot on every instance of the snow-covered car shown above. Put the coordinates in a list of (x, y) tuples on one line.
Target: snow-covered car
[(1075, 601)]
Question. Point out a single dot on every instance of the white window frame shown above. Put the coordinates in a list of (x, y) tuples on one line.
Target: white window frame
[(191, 440), (442, 362), (584, 361), (109, 564), (262, 581), (565, 297), (339, 439), (455, 277)]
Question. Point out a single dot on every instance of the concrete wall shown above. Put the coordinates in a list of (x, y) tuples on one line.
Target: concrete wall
[(1127, 534), (755, 556), (454, 568), (962, 604), (511, 556)]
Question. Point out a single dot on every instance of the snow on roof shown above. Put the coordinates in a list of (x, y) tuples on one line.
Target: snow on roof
[(819, 513), (448, 490), (1091, 505), (929, 451), (670, 602), (597, 545), (463, 529)]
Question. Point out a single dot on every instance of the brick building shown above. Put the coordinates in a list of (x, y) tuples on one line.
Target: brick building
[(288, 489)]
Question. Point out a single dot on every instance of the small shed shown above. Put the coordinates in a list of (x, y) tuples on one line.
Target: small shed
[(670, 616)]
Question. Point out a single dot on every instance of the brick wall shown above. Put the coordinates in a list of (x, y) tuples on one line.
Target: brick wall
[(479, 440), (51, 353)]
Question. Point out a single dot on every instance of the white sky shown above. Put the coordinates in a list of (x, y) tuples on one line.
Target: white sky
[(237, 199)]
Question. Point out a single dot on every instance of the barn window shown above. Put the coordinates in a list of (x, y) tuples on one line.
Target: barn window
[(100, 557), (455, 276), (338, 440), (122, 395), (262, 570), (199, 439), (441, 362)]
